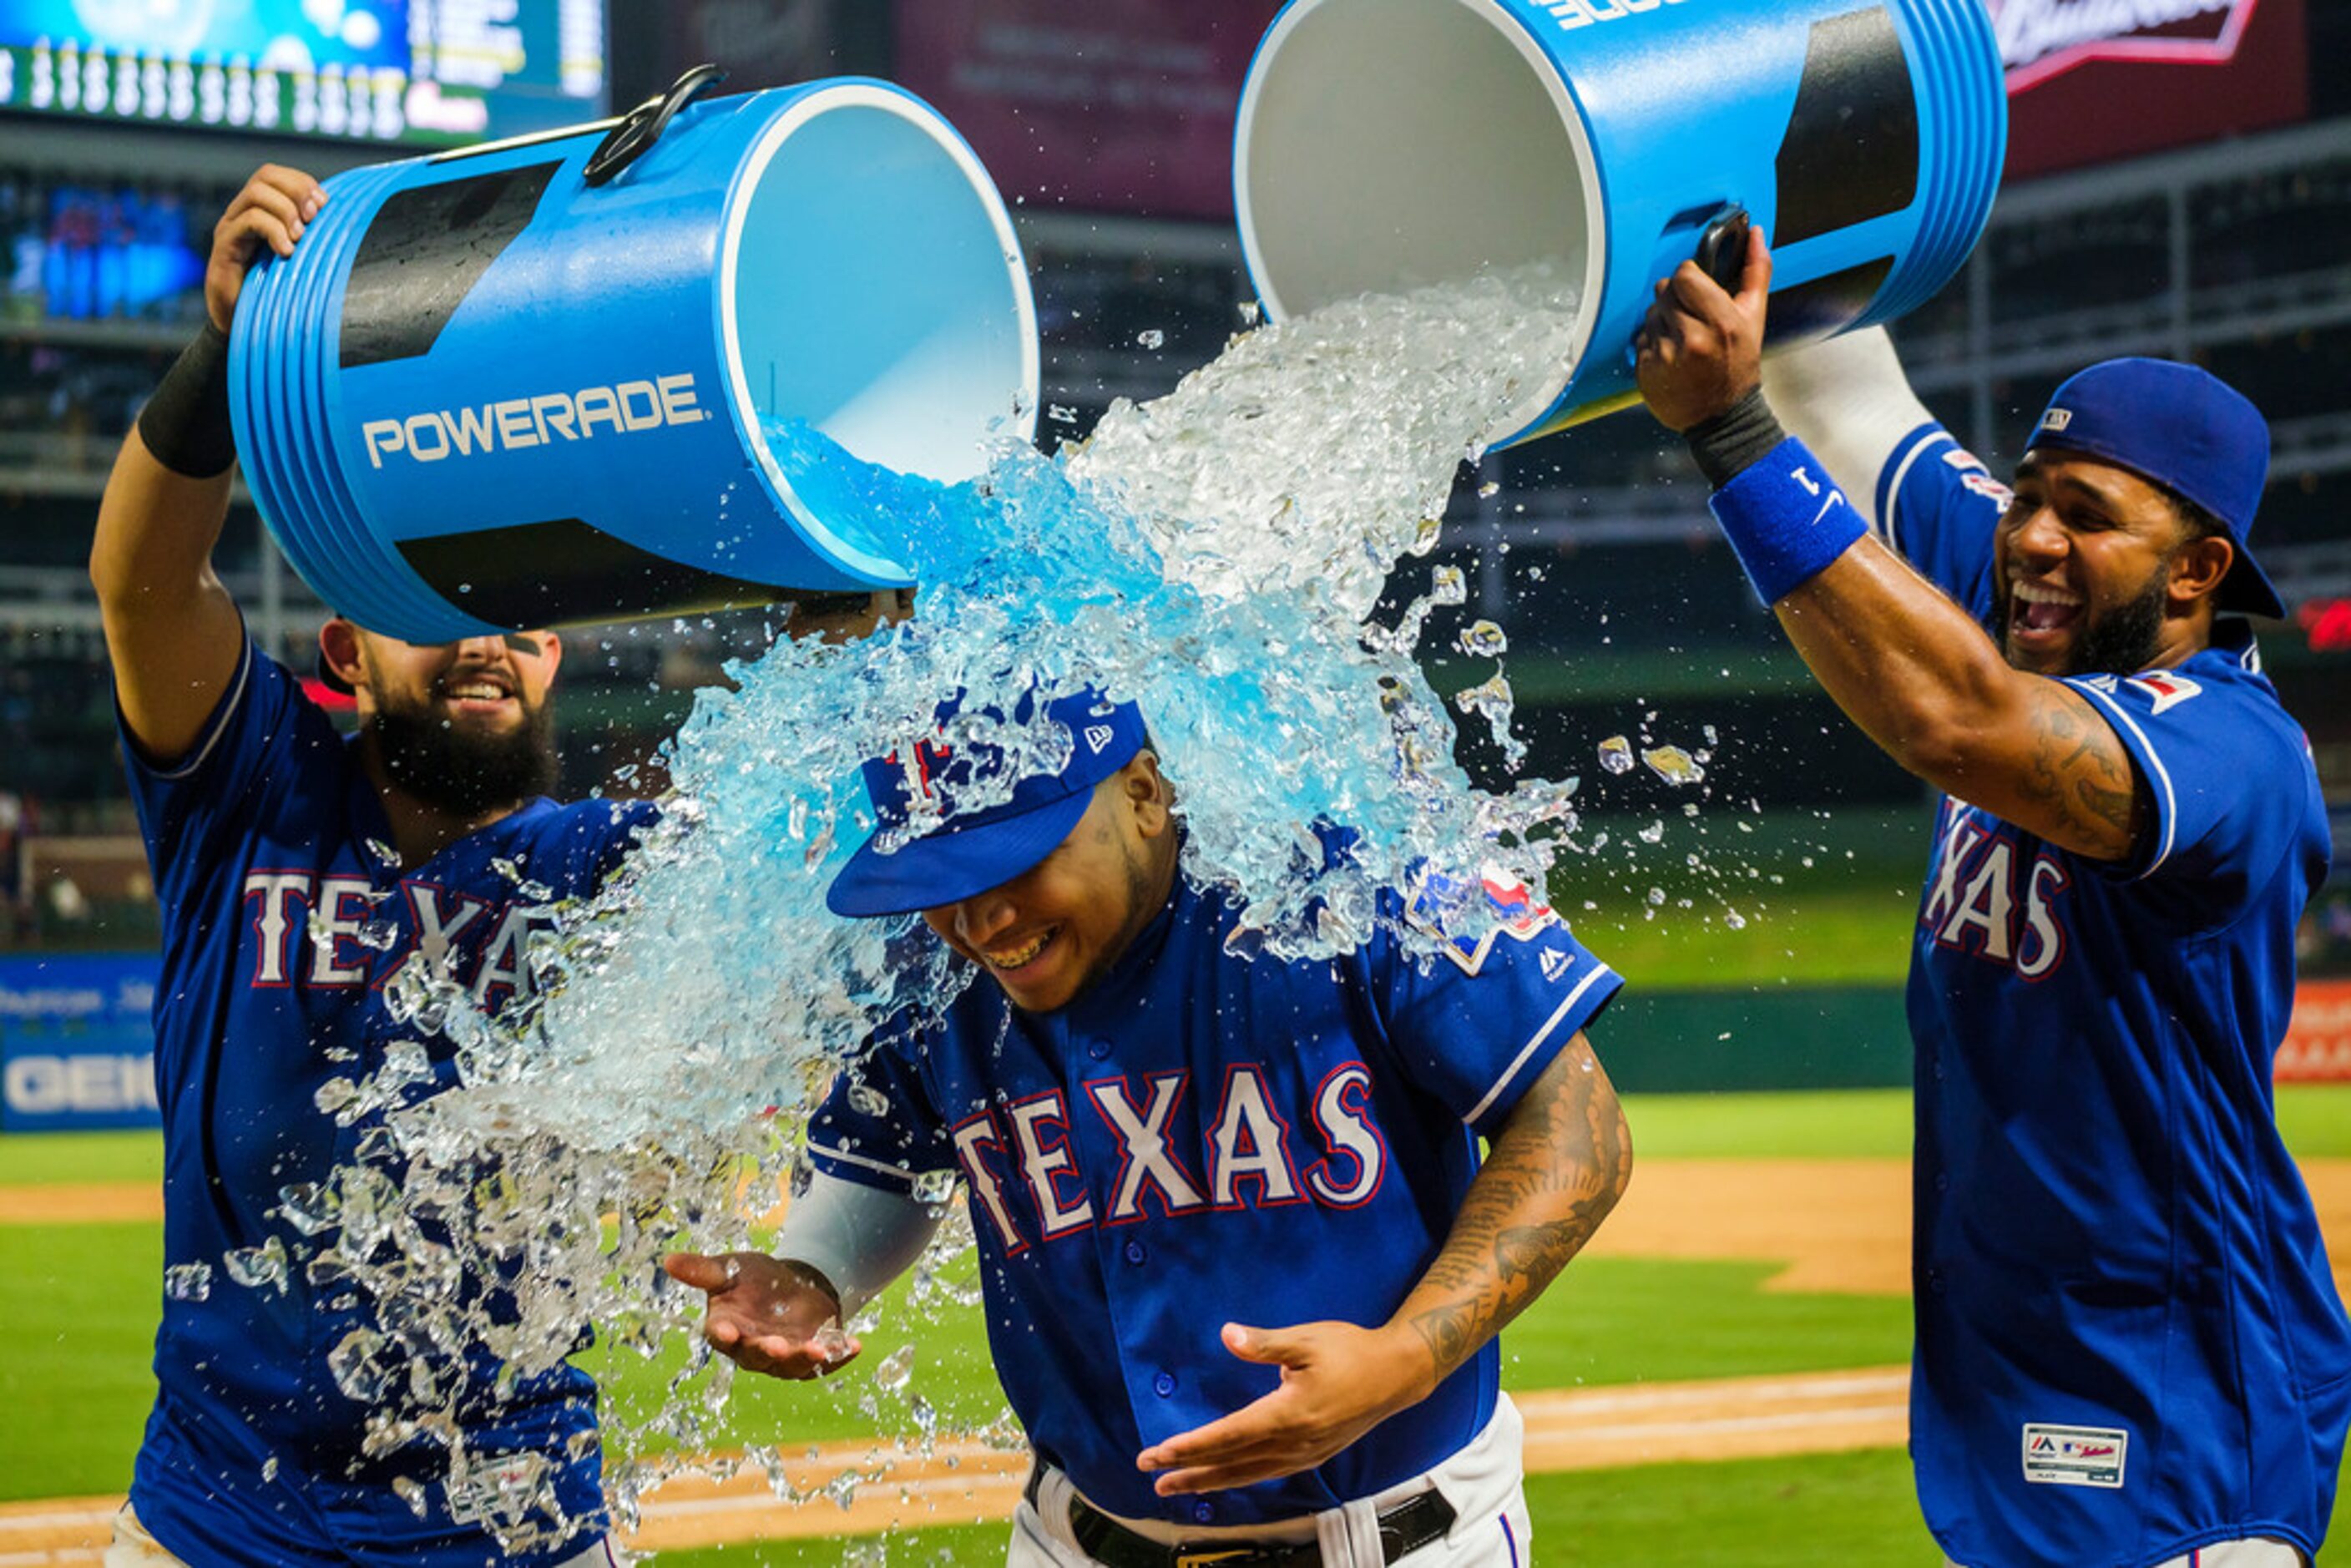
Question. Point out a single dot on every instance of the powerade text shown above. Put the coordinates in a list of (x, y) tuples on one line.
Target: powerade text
[(520, 422)]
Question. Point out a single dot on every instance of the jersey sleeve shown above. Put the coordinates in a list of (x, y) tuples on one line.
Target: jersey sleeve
[(1937, 506), (191, 807), (876, 1124), (2224, 770), (1927, 497), (1477, 1024), (593, 837)]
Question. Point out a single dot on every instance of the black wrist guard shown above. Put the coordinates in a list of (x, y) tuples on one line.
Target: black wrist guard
[(1734, 440), (187, 423)]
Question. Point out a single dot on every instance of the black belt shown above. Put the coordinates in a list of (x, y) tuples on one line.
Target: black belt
[(1408, 1527)]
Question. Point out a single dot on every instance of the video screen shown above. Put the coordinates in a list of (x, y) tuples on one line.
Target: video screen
[(423, 72)]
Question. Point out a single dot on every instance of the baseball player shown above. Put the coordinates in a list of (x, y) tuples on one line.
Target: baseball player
[(1154, 1130), (2130, 1350), (298, 875)]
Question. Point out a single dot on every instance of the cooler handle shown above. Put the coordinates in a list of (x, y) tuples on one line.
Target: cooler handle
[(643, 126)]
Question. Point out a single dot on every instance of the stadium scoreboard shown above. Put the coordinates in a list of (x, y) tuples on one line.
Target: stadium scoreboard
[(406, 72)]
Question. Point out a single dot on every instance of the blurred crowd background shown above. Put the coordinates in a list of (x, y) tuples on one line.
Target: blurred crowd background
[(2184, 192)]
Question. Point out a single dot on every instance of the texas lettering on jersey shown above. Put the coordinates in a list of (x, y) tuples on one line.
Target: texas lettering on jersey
[(324, 932), (1989, 900), (1018, 1161)]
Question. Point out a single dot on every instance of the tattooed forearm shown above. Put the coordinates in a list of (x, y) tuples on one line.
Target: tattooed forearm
[(1557, 1167), (2078, 773)]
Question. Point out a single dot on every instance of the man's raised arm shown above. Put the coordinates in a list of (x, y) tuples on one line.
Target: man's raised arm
[(171, 629), (1904, 662)]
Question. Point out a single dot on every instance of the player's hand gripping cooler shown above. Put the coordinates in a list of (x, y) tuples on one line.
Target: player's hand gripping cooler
[(1383, 144), (583, 376)]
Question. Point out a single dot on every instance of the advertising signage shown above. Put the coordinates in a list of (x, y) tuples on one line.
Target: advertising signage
[(1122, 105), (427, 73), (1127, 106), (2094, 80), (77, 1042)]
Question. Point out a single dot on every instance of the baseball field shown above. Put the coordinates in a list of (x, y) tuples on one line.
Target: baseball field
[(1720, 1379)]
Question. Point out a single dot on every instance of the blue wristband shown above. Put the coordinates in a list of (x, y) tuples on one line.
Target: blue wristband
[(1786, 520)]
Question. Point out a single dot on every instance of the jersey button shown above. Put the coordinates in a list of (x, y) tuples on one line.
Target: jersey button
[(1098, 1049), (1135, 1252), (1163, 1385), (1203, 1511), (1935, 1281), (1942, 1181)]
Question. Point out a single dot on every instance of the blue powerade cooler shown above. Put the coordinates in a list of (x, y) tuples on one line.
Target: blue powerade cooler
[(543, 381), (1385, 145)]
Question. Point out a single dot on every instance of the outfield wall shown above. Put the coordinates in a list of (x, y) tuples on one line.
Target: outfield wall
[(1855, 1037), (76, 1043), (1846, 1037), (75, 1050)]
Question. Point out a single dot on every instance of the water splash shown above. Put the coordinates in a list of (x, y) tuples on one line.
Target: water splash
[(1215, 556), (1674, 765)]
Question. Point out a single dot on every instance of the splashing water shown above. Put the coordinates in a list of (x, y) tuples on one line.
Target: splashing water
[(1674, 765), (1215, 556)]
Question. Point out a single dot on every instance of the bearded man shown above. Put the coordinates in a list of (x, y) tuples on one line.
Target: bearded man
[(299, 875), (2130, 1349)]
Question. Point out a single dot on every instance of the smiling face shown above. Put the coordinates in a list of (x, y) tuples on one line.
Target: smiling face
[(463, 727), (2097, 571), (1049, 934)]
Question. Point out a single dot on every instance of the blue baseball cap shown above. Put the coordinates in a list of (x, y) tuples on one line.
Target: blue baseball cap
[(971, 852), (2185, 429)]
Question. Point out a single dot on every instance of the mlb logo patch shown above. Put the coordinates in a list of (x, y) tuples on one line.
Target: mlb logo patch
[(1989, 488), (2075, 1455), (2057, 419)]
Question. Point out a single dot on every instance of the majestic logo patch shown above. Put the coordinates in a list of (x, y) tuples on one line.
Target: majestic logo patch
[(2075, 1455), (2168, 690), (1554, 963)]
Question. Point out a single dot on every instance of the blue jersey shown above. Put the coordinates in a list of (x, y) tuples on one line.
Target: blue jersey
[(2129, 1342), (1203, 1137), (282, 924)]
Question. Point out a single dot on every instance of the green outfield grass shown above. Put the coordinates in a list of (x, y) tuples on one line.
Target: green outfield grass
[(1820, 898), (78, 1312), (36, 1158), (78, 1308)]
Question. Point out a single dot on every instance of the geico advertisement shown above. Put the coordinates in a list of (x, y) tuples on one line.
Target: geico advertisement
[(77, 1046)]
